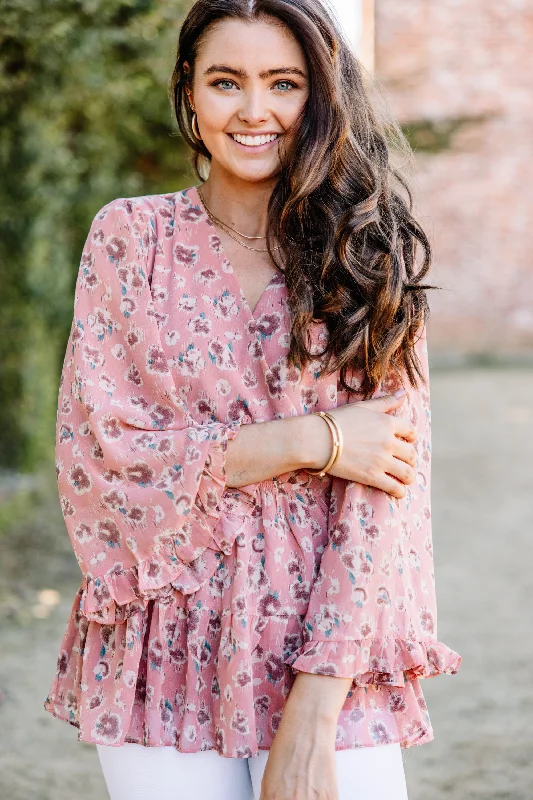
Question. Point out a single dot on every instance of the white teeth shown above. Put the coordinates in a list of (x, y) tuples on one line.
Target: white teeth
[(254, 141)]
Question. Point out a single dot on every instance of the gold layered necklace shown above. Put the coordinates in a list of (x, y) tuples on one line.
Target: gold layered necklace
[(230, 231)]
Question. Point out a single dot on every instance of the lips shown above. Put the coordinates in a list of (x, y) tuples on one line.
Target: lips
[(255, 141)]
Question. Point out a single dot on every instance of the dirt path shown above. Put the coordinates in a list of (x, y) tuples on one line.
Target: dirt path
[(483, 527), (483, 535)]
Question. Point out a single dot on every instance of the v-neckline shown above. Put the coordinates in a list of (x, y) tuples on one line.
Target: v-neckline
[(222, 256)]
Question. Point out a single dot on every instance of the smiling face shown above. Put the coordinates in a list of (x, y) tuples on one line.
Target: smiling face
[(250, 86)]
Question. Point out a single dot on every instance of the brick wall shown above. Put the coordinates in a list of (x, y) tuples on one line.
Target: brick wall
[(459, 74)]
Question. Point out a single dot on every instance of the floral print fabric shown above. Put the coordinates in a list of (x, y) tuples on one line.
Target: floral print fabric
[(199, 602)]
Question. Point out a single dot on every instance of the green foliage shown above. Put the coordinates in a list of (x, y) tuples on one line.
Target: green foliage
[(84, 118), (434, 136)]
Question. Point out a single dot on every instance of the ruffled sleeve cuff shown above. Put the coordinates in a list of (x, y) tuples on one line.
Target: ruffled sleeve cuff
[(176, 563), (114, 596), (375, 661), (172, 548)]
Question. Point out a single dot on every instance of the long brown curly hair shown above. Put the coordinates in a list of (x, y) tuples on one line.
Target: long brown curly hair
[(341, 212)]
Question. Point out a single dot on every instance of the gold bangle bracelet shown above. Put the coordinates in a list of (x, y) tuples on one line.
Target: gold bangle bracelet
[(336, 434), (337, 440)]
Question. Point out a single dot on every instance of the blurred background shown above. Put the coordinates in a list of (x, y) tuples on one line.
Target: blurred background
[(84, 118)]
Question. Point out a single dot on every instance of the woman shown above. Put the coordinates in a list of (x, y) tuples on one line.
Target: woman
[(257, 577)]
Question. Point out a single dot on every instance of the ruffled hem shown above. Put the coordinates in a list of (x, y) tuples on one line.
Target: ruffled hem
[(195, 678), (425, 736), (380, 661)]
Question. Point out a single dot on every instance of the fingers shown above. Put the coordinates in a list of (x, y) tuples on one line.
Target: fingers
[(397, 473), (391, 486), (401, 471), (389, 402), (405, 452), (404, 429)]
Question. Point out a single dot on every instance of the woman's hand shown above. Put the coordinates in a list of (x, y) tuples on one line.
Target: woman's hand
[(378, 447), (301, 763)]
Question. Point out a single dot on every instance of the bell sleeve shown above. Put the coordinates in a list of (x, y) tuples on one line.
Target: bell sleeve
[(372, 614), (139, 482)]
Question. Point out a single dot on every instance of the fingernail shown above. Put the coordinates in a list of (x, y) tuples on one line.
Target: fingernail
[(400, 392)]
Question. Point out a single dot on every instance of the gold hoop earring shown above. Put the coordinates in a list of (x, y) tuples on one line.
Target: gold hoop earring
[(194, 126)]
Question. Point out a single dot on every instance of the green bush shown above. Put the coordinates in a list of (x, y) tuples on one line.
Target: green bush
[(84, 118)]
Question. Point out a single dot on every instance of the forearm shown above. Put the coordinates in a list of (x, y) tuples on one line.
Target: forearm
[(312, 711), (301, 761), (317, 698), (266, 449)]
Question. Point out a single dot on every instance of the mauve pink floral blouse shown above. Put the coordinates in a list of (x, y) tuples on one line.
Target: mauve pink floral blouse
[(199, 602)]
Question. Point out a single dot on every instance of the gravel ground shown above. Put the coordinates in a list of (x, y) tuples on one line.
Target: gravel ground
[(482, 717)]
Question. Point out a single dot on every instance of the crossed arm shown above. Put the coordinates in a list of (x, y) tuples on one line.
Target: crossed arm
[(379, 452)]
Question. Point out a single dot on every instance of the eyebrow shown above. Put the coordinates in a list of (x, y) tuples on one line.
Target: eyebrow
[(239, 73)]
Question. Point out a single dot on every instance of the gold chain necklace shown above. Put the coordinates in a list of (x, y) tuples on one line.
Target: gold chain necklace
[(229, 230), (225, 224)]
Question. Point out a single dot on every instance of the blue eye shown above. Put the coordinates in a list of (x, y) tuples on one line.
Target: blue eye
[(286, 85), (224, 83)]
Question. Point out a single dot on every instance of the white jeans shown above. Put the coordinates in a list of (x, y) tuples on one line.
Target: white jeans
[(135, 772)]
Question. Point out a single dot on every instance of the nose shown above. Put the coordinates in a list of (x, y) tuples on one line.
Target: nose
[(254, 109)]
